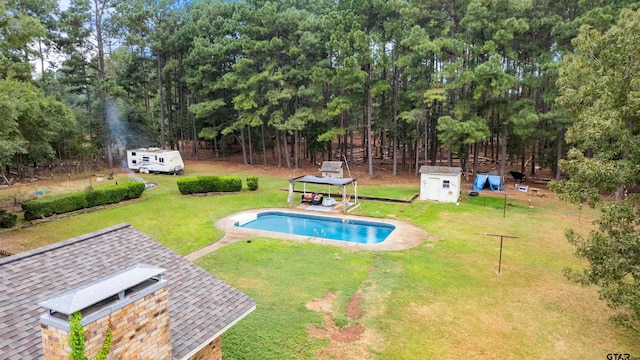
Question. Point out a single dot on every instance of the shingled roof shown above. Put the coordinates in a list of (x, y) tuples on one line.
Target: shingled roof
[(200, 305), (425, 169)]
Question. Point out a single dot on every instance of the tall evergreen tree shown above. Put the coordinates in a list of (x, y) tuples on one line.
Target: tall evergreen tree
[(598, 88)]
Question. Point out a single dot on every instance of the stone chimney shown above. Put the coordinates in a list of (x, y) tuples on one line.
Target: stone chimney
[(134, 302)]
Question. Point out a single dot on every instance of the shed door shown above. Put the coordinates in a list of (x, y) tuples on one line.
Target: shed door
[(433, 188)]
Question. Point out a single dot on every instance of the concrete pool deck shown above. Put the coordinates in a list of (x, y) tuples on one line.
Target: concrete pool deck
[(404, 236)]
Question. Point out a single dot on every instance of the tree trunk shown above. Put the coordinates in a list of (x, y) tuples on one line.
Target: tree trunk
[(505, 136), (296, 149), (426, 138), (368, 120), (278, 149), (264, 146), (250, 145), (493, 133), (417, 148), (99, 10), (533, 160), (475, 161), (434, 141), (194, 142), (243, 146), (394, 114), (161, 103), (287, 156)]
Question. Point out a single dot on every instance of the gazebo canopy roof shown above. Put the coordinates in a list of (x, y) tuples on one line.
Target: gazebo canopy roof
[(323, 180)]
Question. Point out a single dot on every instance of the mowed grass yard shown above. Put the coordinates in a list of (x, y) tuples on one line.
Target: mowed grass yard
[(442, 299)]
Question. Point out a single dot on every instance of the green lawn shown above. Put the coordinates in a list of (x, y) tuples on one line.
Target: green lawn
[(442, 299)]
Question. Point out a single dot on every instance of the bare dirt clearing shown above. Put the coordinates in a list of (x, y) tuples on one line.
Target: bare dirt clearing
[(352, 341)]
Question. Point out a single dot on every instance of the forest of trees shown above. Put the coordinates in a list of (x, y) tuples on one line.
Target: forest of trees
[(553, 84), (293, 80)]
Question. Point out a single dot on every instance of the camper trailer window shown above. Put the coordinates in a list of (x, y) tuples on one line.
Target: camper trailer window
[(445, 184), (133, 153), (161, 160), (145, 158), (134, 162)]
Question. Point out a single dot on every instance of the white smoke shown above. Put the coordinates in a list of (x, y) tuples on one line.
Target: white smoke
[(135, 177), (117, 128)]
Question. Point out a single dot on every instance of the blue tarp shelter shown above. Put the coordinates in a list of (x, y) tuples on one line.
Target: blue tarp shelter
[(481, 180)]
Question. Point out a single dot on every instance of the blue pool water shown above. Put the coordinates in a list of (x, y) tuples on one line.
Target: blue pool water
[(357, 231)]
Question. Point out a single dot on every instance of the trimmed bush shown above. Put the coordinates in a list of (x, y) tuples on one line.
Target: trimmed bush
[(7, 219), (97, 197), (252, 183), (133, 189), (114, 194), (189, 186), (209, 183), (230, 183), (206, 184), (40, 208)]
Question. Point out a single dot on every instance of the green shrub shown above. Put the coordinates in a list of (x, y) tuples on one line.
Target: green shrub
[(7, 219), (133, 190), (35, 209), (252, 183), (209, 183), (189, 186), (40, 208), (96, 197), (230, 184), (206, 184), (116, 193), (70, 202), (110, 194)]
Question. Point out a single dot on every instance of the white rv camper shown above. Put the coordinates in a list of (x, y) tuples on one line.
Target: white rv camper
[(155, 160)]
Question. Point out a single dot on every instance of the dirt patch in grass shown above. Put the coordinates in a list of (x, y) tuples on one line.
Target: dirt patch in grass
[(354, 307), (330, 330), (347, 342), (324, 304)]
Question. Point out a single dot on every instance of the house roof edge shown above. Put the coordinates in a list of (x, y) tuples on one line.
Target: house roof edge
[(219, 333), (62, 244)]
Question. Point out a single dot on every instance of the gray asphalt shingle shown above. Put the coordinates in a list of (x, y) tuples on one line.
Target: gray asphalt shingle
[(425, 169), (196, 298)]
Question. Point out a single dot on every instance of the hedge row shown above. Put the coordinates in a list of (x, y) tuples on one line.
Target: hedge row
[(205, 184), (7, 219), (40, 208)]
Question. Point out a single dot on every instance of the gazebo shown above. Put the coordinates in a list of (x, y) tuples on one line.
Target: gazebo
[(325, 180)]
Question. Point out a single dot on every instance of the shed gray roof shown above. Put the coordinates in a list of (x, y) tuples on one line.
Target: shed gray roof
[(331, 166), (424, 169), (200, 305)]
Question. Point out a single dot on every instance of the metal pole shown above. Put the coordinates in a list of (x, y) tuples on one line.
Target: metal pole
[(504, 207), (501, 242), (500, 259)]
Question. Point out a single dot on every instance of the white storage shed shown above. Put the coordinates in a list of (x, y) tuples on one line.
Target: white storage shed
[(440, 183)]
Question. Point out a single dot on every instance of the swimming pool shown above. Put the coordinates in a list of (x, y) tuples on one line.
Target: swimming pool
[(325, 227)]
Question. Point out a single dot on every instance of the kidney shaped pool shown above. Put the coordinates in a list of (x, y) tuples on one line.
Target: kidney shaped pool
[(326, 227)]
